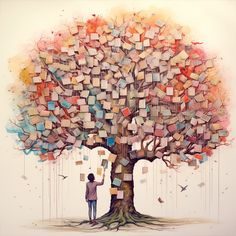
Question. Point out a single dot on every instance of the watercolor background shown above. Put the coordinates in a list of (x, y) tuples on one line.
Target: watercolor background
[(22, 22)]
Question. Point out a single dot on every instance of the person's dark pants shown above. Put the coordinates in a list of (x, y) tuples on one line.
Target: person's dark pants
[(92, 204)]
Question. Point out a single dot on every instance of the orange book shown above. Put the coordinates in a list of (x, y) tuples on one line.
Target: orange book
[(101, 152), (198, 156)]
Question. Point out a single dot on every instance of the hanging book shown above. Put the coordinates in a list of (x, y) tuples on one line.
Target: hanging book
[(99, 171), (101, 152), (104, 163), (144, 169), (82, 177)]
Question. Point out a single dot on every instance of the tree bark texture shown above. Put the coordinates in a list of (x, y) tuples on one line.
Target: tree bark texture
[(127, 203)]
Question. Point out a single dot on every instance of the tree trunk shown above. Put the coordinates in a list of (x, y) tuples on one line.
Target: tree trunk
[(122, 211), (127, 203)]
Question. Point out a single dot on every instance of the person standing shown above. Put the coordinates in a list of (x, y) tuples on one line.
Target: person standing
[(91, 196)]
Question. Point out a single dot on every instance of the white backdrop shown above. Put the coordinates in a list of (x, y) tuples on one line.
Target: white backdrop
[(44, 195)]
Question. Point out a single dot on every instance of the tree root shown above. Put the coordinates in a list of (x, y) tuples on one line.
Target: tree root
[(115, 219)]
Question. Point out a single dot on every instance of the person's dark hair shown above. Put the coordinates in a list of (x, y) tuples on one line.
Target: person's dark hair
[(91, 177)]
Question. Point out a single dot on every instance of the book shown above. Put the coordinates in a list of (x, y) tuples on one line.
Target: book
[(117, 182), (104, 163), (113, 191), (144, 169), (118, 169), (120, 194), (79, 162), (99, 171), (128, 177), (112, 157), (124, 162), (82, 177), (101, 152)]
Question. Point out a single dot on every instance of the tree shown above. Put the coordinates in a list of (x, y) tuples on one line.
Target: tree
[(113, 83)]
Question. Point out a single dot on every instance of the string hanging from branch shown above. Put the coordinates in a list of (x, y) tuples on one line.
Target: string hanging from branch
[(218, 187), (42, 193), (49, 190)]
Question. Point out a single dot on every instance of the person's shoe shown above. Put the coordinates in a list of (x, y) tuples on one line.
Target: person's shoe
[(90, 222), (94, 222)]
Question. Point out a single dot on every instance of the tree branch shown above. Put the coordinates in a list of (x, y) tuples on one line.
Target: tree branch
[(148, 143), (25, 132), (53, 76), (97, 145)]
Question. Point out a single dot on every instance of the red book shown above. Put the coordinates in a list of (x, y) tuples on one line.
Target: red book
[(126, 111)]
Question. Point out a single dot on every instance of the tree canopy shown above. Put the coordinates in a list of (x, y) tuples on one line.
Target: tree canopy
[(118, 82)]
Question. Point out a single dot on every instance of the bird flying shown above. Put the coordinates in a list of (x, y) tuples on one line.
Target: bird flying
[(183, 188), (160, 200), (63, 176)]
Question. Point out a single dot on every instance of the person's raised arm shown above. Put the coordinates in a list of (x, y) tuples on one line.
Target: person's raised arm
[(103, 177)]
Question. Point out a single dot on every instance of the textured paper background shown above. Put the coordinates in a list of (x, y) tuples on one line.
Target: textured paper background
[(22, 22)]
